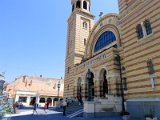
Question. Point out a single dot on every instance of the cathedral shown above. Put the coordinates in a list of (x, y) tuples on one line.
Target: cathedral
[(121, 50)]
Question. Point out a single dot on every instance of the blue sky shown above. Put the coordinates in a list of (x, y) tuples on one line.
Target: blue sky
[(33, 35)]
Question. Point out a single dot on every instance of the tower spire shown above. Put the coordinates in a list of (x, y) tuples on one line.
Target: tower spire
[(83, 5)]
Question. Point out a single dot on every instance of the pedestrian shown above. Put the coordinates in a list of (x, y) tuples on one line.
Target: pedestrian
[(64, 104), (67, 102), (14, 107), (45, 107), (35, 107)]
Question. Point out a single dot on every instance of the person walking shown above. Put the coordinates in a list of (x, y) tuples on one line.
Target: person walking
[(14, 107), (45, 108), (35, 107), (64, 104), (67, 102), (47, 105)]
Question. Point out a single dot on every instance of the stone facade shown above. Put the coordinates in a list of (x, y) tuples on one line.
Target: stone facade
[(138, 49), (27, 88)]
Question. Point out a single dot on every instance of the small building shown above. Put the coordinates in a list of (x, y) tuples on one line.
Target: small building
[(27, 89)]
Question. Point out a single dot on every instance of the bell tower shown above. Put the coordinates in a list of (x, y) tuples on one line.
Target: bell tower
[(80, 23)]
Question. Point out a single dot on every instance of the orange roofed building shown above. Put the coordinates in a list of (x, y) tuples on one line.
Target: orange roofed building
[(26, 89)]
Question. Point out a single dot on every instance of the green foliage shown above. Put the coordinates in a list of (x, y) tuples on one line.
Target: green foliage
[(7, 110)]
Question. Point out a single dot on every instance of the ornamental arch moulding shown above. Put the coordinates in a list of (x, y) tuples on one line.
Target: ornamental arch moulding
[(106, 23)]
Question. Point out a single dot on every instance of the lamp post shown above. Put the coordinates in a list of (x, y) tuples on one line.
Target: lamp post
[(58, 86), (118, 58)]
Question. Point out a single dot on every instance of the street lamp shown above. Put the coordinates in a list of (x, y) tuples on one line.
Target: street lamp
[(118, 58), (58, 86)]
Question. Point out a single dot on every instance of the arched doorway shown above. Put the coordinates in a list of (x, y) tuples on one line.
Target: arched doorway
[(32, 101), (90, 93), (103, 83), (49, 100)]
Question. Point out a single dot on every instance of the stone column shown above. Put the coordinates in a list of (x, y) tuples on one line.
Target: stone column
[(28, 100), (52, 101), (95, 88), (37, 99), (16, 98), (76, 90), (98, 88), (85, 92), (81, 4)]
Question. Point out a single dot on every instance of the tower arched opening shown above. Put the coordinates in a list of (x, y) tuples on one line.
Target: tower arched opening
[(84, 5), (78, 4)]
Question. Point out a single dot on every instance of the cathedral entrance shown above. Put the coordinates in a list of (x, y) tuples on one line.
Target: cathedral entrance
[(103, 83), (90, 85)]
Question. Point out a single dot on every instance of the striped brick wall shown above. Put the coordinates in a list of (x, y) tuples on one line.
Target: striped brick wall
[(137, 52)]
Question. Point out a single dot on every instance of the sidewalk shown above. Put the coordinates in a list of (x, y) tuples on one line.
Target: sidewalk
[(50, 115)]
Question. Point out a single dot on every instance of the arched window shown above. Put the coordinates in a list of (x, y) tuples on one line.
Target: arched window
[(139, 31), (49, 100), (148, 27), (78, 4), (72, 7), (84, 25), (85, 5), (104, 40), (42, 100)]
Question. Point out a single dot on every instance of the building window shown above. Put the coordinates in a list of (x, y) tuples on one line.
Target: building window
[(124, 84), (147, 26), (23, 99), (85, 42), (78, 4), (85, 5), (68, 87), (151, 72), (150, 67), (42, 100), (104, 40), (139, 31), (49, 100), (84, 25)]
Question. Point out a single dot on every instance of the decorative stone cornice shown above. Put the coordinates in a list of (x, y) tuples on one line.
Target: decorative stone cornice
[(79, 11), (104, 18)]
